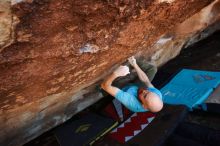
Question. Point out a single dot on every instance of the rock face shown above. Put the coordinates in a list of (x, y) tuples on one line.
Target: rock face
[(195, 28), (53, 54), (5, 24)]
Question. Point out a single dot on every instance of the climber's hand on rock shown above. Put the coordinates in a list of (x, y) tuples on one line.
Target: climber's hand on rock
[(121, 71), (132, 61)]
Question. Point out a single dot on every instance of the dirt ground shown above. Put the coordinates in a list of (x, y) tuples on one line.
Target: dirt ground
[(204, 55)]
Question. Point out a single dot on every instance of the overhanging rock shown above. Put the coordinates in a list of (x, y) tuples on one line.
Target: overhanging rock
[(59, 51)]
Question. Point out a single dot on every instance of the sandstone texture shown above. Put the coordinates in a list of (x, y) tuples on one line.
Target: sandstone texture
[(5, 23), (195, 28), (54, 54)]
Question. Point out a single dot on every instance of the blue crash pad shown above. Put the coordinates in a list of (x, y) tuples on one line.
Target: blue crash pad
[(189, 96), (198, 78), (190, 87)]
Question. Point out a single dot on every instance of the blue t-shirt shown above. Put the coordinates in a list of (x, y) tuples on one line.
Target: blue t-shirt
[(128, 97)]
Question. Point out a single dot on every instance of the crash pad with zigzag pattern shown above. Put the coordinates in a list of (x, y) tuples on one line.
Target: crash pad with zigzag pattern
[(132, 126)]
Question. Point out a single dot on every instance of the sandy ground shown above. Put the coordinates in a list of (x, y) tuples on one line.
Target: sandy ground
[(204, 55)]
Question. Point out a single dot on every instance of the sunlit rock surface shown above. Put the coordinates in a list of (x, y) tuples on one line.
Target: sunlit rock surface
[(53, 54), (195, 28)]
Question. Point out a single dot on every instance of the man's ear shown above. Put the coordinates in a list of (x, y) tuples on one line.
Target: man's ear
[(145, 106)]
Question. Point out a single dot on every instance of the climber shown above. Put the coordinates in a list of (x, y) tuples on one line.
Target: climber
[(136, 97)]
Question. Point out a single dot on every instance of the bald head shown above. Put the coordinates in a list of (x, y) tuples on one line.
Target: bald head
[(153, 102), (150, 100)]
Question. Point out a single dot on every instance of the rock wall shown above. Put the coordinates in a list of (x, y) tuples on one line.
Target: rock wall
[(195, 28), (53, 54)]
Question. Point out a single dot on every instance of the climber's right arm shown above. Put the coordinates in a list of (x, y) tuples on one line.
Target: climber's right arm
[(107, 84)]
